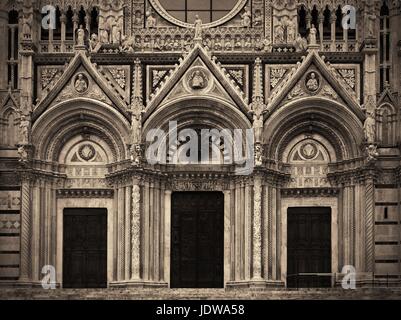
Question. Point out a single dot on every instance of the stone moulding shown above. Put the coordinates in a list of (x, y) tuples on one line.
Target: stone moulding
[(85, 193), (310, 192)]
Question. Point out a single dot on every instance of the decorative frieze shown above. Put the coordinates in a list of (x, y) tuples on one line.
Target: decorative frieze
[(85, 193)]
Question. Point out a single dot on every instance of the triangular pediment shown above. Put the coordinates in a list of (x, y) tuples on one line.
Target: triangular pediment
[(314, 78), (81, 79), (197, 75), (387, 96), (9, 100)]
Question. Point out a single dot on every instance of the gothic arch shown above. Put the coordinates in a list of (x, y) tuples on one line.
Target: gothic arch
[(320, 116), (386, 124), (209, 111), (86, 117)]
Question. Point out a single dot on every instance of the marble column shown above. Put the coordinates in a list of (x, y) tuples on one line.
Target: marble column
[(135, 231), (256, 228), (4, 45), (26, 225)]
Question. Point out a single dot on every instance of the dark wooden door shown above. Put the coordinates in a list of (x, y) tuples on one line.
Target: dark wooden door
[(309, 247), (85, 248), (197, 240)]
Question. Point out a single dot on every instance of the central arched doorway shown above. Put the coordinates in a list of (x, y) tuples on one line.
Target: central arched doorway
[(197, 240)]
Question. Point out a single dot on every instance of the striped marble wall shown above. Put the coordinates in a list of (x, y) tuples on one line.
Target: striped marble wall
[(10, 226)]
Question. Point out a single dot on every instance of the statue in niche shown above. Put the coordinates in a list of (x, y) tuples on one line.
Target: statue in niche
[(258, 109), (81, 36), (104, 35), (312, 82), (27, 25), (25, 126), (116, 32), (150, 19), (198, 28), (313, 35), (370, 128), (138, 18), (257, 19), (371, 24), (291, 29), (136, 126), (279, 32), (246, 18), (81, 83)]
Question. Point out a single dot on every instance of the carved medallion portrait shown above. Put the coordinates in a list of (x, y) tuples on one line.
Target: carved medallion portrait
[(313, 82), (81, 83), (87, 152), (198, 80)]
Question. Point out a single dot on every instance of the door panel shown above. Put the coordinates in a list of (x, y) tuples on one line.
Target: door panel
[(308, 247), (197, 235), (85, 248)]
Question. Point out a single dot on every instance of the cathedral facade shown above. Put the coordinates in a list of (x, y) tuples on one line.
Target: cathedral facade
[(87, 86)]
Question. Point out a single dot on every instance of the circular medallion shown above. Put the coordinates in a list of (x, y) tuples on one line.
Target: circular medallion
[(198, 80), (87, 152), (313, 82), (81, 83), (309, 151)]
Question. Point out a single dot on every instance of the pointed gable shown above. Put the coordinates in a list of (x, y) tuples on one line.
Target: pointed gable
[(197, 74), (328, 84), (97, 86)]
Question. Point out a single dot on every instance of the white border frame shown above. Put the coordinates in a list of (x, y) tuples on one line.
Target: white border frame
[(92, 203), (286, 203)]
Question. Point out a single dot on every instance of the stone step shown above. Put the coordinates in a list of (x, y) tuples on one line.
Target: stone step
[(196, 294)]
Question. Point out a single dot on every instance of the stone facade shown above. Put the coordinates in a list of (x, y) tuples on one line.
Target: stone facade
[(77, 103)]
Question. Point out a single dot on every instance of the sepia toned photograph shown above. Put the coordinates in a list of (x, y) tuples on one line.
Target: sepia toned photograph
[(210, 150)]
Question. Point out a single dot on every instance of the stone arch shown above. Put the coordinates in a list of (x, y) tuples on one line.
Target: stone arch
[(386, 124), (321, 116), (198, 113), (9, 127), (83, 117)]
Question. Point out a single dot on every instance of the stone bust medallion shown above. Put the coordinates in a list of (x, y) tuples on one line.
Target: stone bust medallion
[(81, 83), (312, 82)]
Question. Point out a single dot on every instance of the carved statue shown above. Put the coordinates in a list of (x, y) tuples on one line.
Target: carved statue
[(136, 126), (279, 33), (291, 29), (116, 32), (136, 154), (257, 19), (150, 19), (371, 24), (81, 36), (371, 152), (300, 43), (258, 110), (127, 44), (104, 36), (258, 155), (94, 44), (23, 154), (25, 125), (246, 18), (198, 28), (312, 35), (27, 26), (370, 128)]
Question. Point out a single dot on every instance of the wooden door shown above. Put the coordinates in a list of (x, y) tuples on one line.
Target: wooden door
[(85, 248), (197, 240), (309, 247)]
